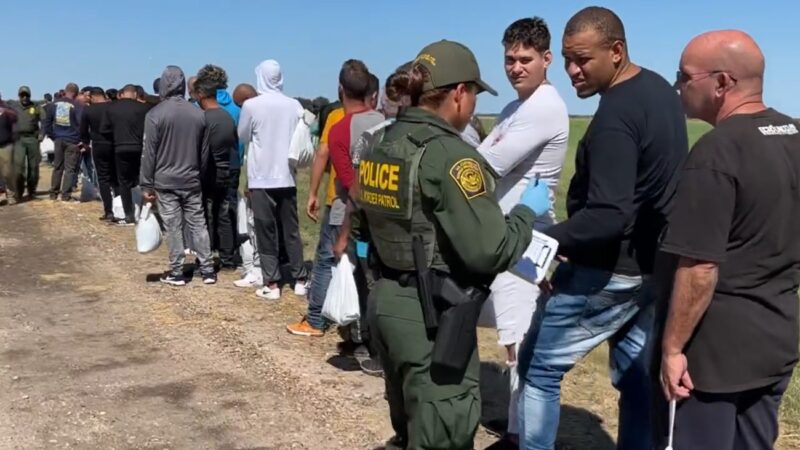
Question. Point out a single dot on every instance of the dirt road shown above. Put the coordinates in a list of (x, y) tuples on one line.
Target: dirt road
[(93, 355)]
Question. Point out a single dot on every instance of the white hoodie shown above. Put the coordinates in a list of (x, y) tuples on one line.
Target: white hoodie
[(266, 124)]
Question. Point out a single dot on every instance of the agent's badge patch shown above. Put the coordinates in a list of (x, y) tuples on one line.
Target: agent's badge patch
[(468, 176)]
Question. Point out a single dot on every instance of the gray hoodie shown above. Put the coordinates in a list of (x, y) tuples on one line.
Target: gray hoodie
[(176, 153)]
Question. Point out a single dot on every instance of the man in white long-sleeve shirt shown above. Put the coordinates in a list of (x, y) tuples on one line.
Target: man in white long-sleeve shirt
[(529, 140), (267, 123)]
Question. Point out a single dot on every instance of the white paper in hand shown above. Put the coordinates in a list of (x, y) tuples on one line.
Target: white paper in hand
[(533, 265), (671, 424)]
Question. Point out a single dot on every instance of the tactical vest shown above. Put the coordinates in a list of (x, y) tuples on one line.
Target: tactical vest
[(390, 197)]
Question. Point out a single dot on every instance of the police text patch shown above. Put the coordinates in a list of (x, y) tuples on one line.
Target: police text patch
[(468, 176)]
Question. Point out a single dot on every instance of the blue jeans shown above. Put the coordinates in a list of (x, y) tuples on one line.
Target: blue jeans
[(588, 306), (324, 261)]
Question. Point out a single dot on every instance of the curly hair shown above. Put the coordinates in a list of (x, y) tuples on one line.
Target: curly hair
[(213, 75), (528, 32)]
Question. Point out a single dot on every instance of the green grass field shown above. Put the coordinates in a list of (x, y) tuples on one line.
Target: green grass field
[(790, 410)]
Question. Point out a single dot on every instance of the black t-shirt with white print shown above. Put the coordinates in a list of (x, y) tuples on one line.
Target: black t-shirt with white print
[(738, 204)]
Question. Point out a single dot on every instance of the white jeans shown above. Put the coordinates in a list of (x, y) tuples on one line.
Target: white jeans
[(510, 309)]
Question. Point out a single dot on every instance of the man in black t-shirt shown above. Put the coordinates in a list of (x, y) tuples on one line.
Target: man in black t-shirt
[(731, 339), (223, 142), (618, 202), (124, 121), (100, 145)]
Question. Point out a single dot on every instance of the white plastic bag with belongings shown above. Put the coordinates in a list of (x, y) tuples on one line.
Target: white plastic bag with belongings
[(301, 149), (148, 231), (119, 211), (47, 147), (341, 300)]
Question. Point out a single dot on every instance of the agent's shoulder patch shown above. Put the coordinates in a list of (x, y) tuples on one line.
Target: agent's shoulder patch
[(468, 175)]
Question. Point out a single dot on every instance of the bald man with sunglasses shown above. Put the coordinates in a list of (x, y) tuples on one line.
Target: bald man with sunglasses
[(730, 342)]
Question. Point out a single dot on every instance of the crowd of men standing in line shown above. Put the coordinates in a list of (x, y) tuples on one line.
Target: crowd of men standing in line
[(686, 265)]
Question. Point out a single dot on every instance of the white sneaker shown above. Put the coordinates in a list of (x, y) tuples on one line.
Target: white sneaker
[(301, 288), (247, 281), (269, 294)]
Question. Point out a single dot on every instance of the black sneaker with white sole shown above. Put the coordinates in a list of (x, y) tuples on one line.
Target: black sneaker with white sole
[(210, 278), (124, 222), (173, 279)]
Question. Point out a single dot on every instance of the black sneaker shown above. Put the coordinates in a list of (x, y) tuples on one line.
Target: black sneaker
[(210, 278), (53, 197), (372, 366), (124, 222), (173, 279), (69, 199), (107, 217)]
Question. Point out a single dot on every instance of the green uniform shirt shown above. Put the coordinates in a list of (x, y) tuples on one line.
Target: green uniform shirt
[(27, 118), (456, 187)]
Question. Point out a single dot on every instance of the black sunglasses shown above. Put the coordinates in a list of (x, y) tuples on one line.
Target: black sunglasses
[(682, 77)]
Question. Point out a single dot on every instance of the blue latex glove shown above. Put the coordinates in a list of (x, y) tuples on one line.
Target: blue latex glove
[(537, 197)]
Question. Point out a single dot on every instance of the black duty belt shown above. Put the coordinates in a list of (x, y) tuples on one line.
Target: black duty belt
[(405, 278)]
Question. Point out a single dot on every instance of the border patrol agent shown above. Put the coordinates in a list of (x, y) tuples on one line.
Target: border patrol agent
[(26, 150), (424, 188)]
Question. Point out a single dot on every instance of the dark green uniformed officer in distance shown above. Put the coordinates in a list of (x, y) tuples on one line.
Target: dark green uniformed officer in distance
[(26, 150), (423, 185)]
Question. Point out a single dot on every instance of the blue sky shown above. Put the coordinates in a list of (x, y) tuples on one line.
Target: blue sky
[(111, 43)]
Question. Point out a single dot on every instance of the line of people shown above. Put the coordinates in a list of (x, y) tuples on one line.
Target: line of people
[(682, 264), (656, 243)]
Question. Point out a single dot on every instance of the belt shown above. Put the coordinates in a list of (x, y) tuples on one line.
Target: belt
[(405, 278)]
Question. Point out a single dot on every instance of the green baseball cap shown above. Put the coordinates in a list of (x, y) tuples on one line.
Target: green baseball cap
[(24, 89), (450, 63)]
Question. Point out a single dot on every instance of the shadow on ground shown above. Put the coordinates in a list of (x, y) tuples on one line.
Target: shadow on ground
[(579, 428)]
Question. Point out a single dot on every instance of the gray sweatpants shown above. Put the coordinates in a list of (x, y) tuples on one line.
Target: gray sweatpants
[(176, 207)]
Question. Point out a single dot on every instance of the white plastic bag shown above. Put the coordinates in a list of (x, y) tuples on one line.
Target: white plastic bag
[(119, 211), (301, 149), (148, 232), (46, 147), (241, 215), (341, 300)]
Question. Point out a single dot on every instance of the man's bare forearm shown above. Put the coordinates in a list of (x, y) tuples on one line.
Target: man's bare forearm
[(692, 292), (318, 168)]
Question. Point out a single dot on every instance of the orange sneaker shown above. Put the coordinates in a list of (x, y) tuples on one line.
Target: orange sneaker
[(303, 328)]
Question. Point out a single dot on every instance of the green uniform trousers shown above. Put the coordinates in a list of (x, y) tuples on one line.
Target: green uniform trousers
[(427, 411), (27, 157)]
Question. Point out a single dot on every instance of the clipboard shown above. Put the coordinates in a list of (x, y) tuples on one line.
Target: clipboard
[(536, 260)]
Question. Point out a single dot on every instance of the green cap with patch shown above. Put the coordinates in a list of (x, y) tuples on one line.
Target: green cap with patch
[(450, 63), (24, 90)]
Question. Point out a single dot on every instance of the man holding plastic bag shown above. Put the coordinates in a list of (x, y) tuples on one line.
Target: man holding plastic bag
[(174, 159)]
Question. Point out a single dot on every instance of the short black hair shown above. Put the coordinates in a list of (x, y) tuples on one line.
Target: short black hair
[(156, 82), (214, 74), (205, 86), (354, 79), (112, 93), (373, 86), (48, 97), (86, 89), (128, 88), (602, 20), (528, 32), (97, 91), (140, 93)]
